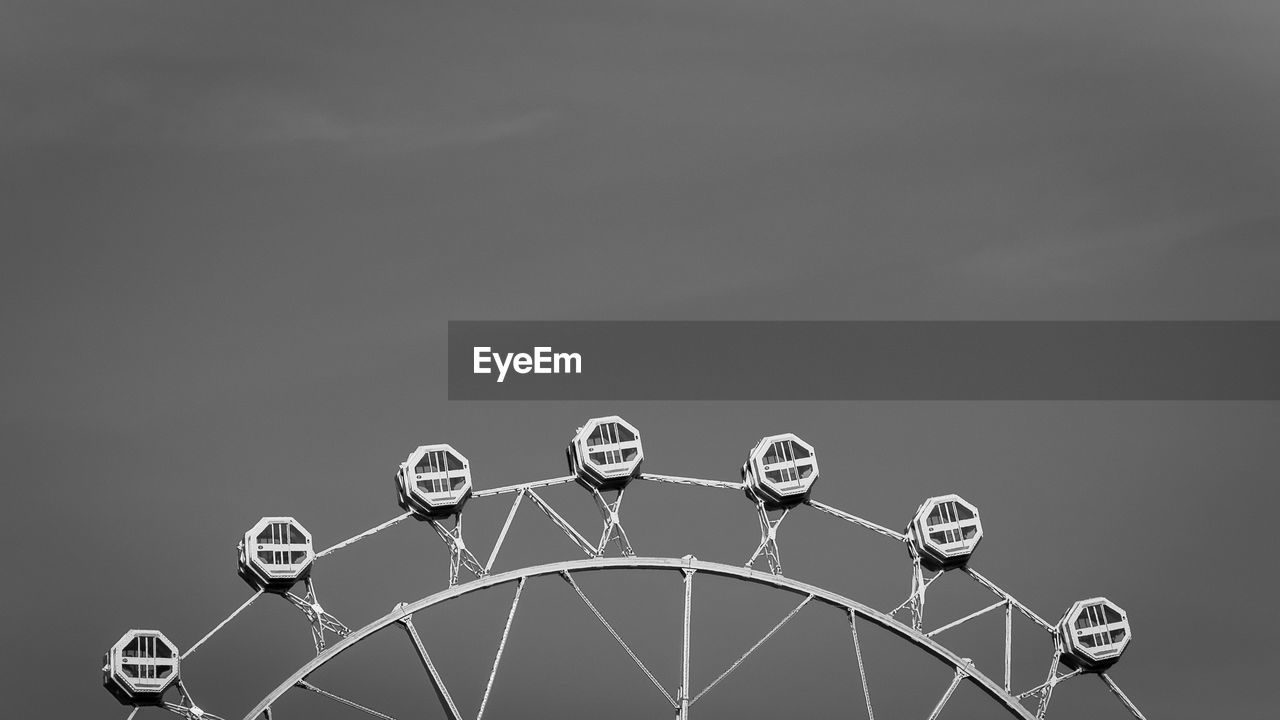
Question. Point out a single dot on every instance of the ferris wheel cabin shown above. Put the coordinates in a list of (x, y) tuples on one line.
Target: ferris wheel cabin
[(140, 667), (434, 482), (1094, 633), (780, 471), (605, 453), (944, 532), (275, 554)]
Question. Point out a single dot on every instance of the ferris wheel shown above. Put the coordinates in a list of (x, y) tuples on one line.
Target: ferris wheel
[(277, 557)]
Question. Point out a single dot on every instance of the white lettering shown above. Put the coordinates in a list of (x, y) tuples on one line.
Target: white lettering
[(543, 361), (572, 363), (479, 361), (502, 366)]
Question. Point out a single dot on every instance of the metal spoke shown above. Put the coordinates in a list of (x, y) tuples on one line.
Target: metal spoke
[(338, 698), (862, 671), (1124, 699), (678, 480), (967, 618), (684, 655), (221, 625), (523, 486), (569, 579), (563, 524), (497, 545), (357, 538), (753, 648), (1008, 645), (849, 517), (502, 645), (437, 682), (955, 682), (1031, 614)]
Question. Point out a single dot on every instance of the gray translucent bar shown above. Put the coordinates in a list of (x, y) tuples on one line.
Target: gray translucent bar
[(658, 360)]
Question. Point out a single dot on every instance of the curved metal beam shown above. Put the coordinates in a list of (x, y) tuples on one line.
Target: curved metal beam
[(993, 689)]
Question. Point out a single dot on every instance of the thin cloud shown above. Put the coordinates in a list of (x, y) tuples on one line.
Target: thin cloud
[(120, 111), (304, 124)]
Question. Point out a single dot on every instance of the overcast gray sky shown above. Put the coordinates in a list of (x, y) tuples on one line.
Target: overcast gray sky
[(234, 232)]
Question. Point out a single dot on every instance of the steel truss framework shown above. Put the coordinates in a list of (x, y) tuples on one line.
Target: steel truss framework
[(1030, 704)]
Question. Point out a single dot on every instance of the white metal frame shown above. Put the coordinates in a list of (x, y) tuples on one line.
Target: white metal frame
[(681, 698)]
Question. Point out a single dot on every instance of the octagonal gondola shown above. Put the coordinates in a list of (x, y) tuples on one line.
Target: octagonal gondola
[(780, 471), (434, 482), (140, 667), (944, 532), (1094, 634), (605, 453), (275, 554)]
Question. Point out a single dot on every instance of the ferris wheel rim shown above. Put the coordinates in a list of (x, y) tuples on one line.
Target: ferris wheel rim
[(684, 564)]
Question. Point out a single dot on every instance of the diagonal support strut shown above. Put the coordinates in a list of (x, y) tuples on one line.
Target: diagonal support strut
[(753, 648), (563, 524), (437, 682), (631, 653), (768, 539), (341, 700), (502, 645)]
